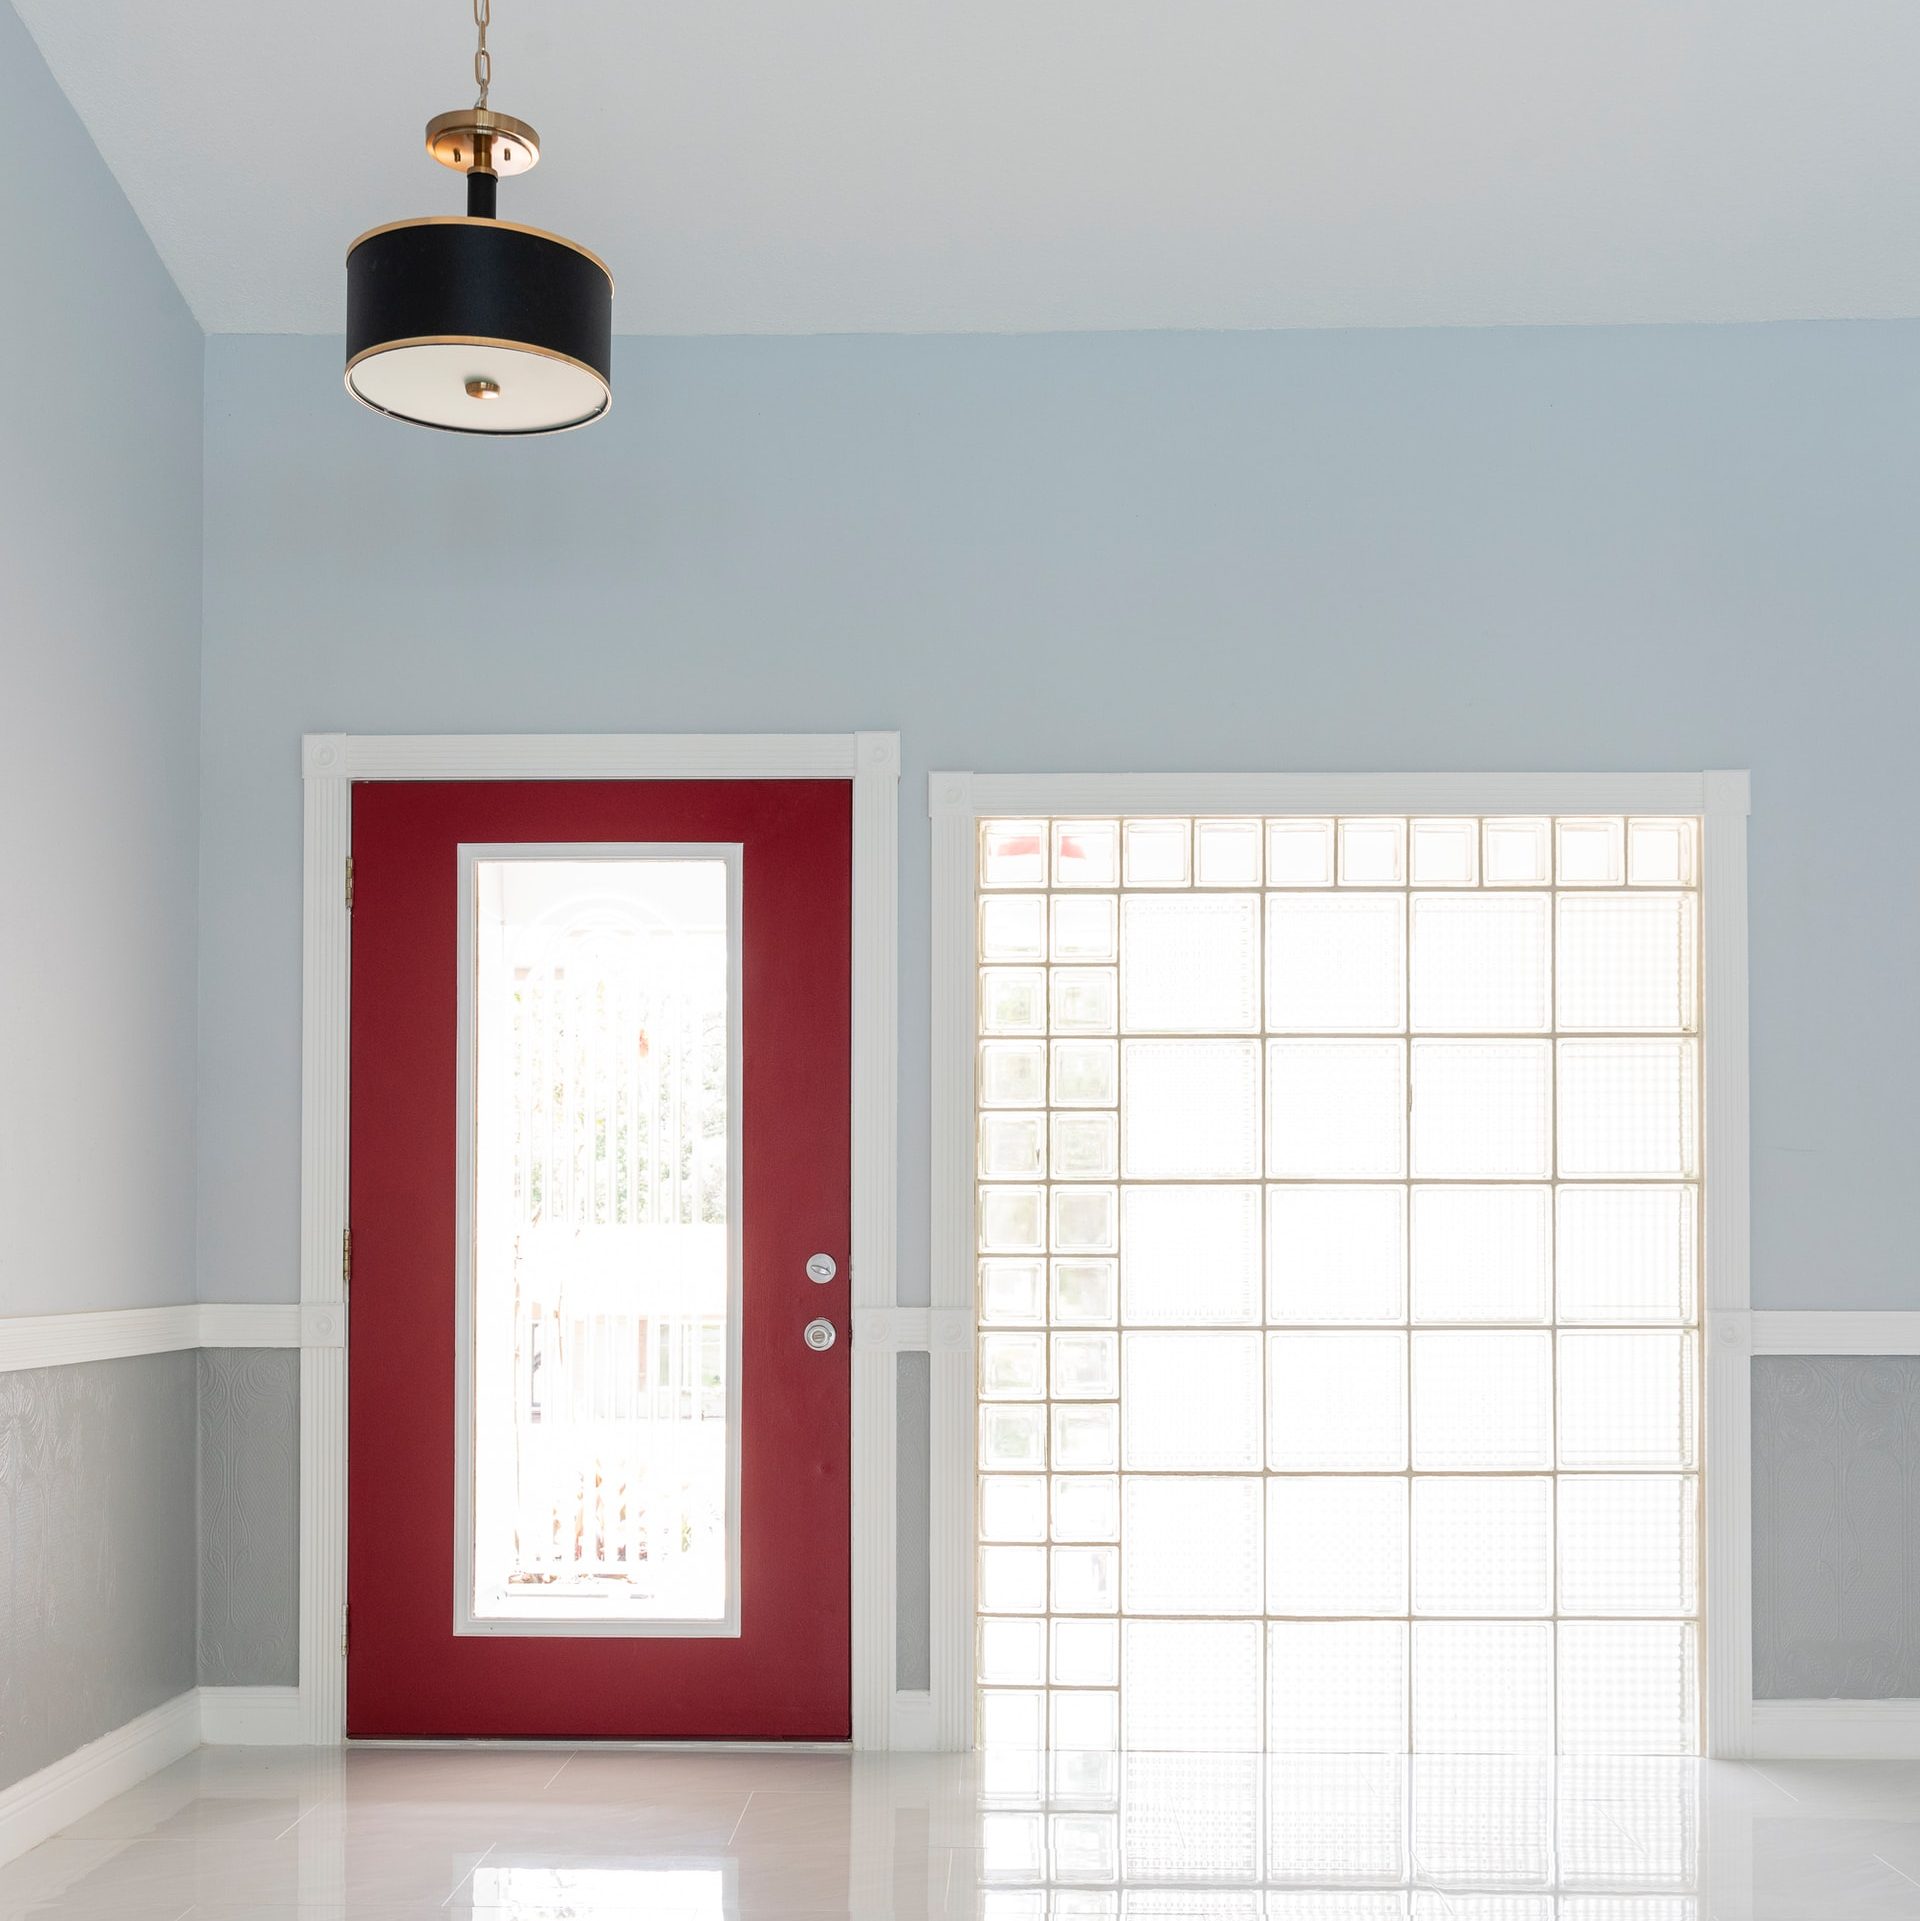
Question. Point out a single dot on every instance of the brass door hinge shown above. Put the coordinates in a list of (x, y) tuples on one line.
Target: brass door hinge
[(349, 883), (346, 1258)]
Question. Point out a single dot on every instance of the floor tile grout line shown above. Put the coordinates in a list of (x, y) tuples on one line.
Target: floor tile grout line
[(1901, 1872), (735, 1829), (572, 1755), (468, 1876)]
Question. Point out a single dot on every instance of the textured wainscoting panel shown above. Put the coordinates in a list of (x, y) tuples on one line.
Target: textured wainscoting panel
[(1836, 1527), (249, 1516), (96, 1551), (910, 1627)]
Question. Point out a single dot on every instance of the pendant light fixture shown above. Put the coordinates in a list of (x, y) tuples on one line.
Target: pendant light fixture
[(472, 323)]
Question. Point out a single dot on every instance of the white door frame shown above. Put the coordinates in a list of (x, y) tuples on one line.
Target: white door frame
[(958, 801), (329, 763)]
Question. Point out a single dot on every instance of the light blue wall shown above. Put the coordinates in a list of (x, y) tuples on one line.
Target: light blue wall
[(1651, 548), (100, 499)]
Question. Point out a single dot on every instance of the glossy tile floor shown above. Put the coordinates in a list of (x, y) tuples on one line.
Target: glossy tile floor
[(516, 1835)]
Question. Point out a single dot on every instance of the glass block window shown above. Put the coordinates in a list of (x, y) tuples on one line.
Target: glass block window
[(1338, 1226)]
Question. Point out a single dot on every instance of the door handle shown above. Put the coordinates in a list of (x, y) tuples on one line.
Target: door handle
[(819, 1335)]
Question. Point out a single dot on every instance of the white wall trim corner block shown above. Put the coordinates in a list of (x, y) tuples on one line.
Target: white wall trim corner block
[(60, 1793), (259, 1717)]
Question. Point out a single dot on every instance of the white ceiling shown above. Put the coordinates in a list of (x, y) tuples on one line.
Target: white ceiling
[(761, 166)]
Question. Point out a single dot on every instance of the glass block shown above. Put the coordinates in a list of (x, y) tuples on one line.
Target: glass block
[(1086, 1507), (1086, 1073), (1337, 1819), (1085, 1000), (1085, 1292), (1085, 1845), (1013, 1507), (1085, 1580), (1627, 962), (1337, 1402), (1337, 1545), (1482, 1687), (1158, 853), (1086, 1220), (1013, 1580), (1626, 1253), (1336, 963), (1516, 852), (1336, 1253), (1663, 853), (1013, 853), (1628, 1687), (1013, 927), (1013, 1653), (1013, 1146), (1086, 1367), (1190, 1686), (1194, 1820), (1013, 1437), (1192, 1110), (1083, 1778), (1086, 853), (1086, 1147), (1590, 853), (1226, 853), (1012, 1292), (1482, 1253), (1086, 1437), (1012, 1718), (1190, 1256), (1431, 1905), (1013, 1367), (1482, 1399), (1013, 1074), (1627, 1108), (1482, 1109), (1482, 1544), (1373, 853), (1443, 853), (1190, 963), (1012, 1219), (1481, 963), (1336, 1109), (1628, 1400), (1008, 1779), (1086, 927), (1337, 1687), (1629, 1544), (1013, 1000), (1299, 853), (1191, 1545), (1192, 1401), (1482, 1820), (1086, 1654)]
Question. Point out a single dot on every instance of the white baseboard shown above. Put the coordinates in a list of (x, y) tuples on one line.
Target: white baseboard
[(1836, 1730), (60, 1794), (913, 1727), (250, 1717)]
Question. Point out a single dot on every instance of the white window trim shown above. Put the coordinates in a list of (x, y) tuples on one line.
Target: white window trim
[(329, 763), (466, 1620), (957, 801)]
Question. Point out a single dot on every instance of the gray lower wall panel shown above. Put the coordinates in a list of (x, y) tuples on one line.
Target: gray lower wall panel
[(249, 1624), (1836, 1527), (97, 1511), (912, 1659)]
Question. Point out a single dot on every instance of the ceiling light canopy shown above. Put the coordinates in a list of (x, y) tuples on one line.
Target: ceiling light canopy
[(472, 323)]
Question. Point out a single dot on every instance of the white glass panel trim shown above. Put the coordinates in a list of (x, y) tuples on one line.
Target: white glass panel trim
[(1352, 1405), (651, 1423)]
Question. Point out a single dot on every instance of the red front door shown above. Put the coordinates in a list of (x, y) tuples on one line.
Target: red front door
[(598, 1481)]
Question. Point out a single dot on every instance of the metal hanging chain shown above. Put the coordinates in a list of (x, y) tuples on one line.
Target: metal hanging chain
[(482, 59)]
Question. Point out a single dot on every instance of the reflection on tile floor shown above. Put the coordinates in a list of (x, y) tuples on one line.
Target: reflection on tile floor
[(598, 1835)]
